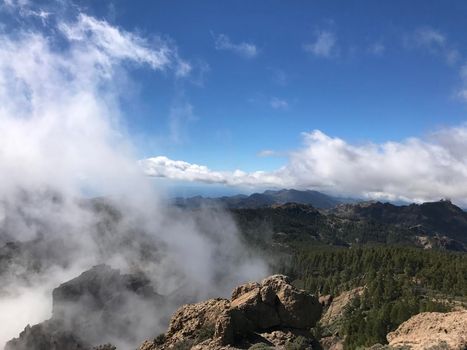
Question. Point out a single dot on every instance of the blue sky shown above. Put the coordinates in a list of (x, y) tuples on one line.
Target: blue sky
[(281, 90), (400, 90)]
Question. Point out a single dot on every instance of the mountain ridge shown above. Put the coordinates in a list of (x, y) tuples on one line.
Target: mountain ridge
[(267, 198)]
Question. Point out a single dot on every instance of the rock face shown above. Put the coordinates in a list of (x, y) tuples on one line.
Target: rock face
[(336, 308), (272, 312), (100, 305), (333, 313), (48, 335), (432, 329)]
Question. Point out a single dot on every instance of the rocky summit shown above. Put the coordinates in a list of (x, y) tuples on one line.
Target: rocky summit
[(271, 313)]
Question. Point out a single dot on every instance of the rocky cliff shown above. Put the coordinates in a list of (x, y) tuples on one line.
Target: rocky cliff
[(99, 306)]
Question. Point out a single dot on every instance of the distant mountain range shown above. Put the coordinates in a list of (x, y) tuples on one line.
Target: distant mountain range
[(290, 215), (267, 198), (439, 225)]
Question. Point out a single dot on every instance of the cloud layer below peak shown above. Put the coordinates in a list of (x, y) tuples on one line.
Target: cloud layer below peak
[(416, 169)]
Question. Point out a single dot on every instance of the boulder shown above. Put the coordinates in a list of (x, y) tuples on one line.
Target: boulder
[(432, 329), (194, 320), (272, 312), (296, 308)]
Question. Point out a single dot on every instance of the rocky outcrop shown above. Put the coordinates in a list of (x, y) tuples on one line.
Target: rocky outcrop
[(48, 335), (332, 342), (100, 305), (432, 330), (272, 312), (336, 308), (333, 314)]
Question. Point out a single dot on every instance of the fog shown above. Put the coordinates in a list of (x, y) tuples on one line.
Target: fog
[(62, 137)]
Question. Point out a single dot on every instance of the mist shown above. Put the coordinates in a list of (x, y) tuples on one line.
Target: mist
[(62, 141)]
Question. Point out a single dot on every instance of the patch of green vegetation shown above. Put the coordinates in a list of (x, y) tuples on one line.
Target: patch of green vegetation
[(160, 339), (260, 346), (204, 333), (299, 343), (400, 282)]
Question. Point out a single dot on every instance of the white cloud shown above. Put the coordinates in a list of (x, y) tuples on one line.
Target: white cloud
[(49, 99), (162, 166), (435, 42), (429, 37), (267, 153), (278, 103), (245, 49), (415, 169), (324, 45), (61, 132), (101, 37)]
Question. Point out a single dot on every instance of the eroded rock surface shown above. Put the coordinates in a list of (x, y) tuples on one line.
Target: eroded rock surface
[(432, 330), (336, 308), (272, 312)]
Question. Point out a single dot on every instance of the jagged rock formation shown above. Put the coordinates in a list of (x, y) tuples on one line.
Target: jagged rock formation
[(100, 305), (272, 312), (432, 330), (48, 335)]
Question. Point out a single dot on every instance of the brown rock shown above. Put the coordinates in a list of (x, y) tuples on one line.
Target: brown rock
[(189, 320), (255, 308), (338, 304), (255, 313), (325, 300), (332, 343), (244, 289), (431, 329), (296, 308)]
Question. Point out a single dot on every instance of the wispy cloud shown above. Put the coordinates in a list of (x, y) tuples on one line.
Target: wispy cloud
[(414, 169), (180, 116), (279, 76), (267, 153), (244, 49), (433, 41), (376, 49), (324, 45), (278, 103), (462, 92), (123, 45)]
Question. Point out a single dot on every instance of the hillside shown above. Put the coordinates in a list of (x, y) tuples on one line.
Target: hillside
[(368, 259), (428, 225), (433, 218)]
